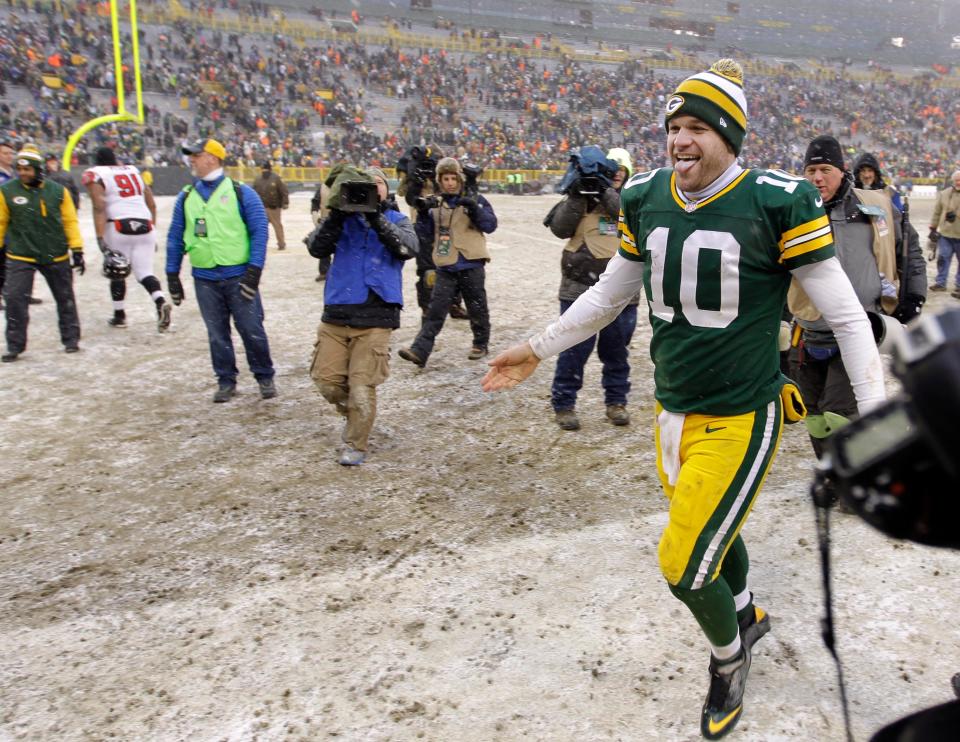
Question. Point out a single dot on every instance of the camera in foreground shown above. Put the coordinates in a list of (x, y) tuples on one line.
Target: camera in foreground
[(359, 196), (897, 466)]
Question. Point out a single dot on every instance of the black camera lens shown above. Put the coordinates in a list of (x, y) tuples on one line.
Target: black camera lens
[(950, 216)]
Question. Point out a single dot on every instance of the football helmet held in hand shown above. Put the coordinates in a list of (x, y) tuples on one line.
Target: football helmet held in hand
[(115, 266)]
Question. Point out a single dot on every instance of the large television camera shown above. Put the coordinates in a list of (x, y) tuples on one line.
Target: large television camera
[(419, 164), (359, 196), (590, 172), (897, 466), (471, 175)]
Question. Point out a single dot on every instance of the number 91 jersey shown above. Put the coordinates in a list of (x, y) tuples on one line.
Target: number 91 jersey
[(123, 190), (716, 274)]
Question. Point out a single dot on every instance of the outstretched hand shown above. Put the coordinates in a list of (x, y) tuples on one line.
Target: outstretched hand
[(510, 368)]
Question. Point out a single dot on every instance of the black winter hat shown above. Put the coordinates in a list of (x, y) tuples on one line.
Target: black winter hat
[(867, 159), (824, 150)]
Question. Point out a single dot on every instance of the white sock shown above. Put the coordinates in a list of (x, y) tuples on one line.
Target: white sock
[(118, 306), (727, 652), (742, 600), (157, 295)]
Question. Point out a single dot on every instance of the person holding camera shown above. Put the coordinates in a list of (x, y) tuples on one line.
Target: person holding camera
[(945, 229), (714, 247), (418, 170), (587, 218), (319, 212), (362, 299), (455, 225), (887, 272), (222, 228)]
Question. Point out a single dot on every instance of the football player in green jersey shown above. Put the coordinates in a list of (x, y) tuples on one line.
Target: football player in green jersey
[(714, 247)]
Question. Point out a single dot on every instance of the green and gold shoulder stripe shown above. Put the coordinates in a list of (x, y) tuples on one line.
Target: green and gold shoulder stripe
[(805, 238), (628, 243)]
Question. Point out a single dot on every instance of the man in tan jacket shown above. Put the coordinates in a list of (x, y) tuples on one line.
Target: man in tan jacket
[(945, 229), (273, 192), (457, 226)]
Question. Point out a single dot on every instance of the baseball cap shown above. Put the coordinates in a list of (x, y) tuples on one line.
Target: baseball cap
[(211, 146)]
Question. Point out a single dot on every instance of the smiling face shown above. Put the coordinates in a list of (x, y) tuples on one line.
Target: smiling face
[(698, 153), (867, 176), (826, 178)]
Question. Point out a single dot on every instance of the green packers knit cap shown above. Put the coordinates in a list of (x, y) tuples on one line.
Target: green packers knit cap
[(29, 156), (824, 150), (716, 98)]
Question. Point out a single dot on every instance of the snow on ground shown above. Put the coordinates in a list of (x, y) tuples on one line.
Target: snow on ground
[(173, 569)]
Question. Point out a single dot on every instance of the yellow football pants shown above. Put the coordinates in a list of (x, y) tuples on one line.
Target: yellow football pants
[(723, 462)]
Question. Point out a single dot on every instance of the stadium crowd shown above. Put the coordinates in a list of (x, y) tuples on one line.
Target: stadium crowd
[(267, 97)]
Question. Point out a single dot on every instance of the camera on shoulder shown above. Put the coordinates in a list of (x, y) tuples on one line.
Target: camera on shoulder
[(359, 196)]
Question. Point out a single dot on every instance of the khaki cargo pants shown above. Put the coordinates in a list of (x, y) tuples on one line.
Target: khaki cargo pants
[(348, 365)]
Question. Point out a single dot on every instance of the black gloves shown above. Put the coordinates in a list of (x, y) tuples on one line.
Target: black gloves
[(908, 308), (250, 282), (311, 242), (102, 244), (175, 287), (934, 235), (387, 234), (376, 220), (78, 263), (336, 218)]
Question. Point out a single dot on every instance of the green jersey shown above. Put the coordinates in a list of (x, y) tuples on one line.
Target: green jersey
[(716, 274)]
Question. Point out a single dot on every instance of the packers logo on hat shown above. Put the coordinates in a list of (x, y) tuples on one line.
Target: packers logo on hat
[(29, 157), (716, 98), (674, 103)]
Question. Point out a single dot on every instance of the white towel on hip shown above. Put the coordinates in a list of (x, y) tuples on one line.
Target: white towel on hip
[(671, 431)]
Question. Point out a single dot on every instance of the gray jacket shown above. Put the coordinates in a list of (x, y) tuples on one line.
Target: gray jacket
[(853, 241)]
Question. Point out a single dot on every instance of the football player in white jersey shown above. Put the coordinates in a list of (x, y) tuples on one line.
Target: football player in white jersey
[(124, 214)]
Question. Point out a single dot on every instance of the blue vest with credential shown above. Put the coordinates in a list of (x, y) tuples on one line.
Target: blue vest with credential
[(361, 262)]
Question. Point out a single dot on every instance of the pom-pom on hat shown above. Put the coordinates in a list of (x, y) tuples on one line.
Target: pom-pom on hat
[(716, 98)]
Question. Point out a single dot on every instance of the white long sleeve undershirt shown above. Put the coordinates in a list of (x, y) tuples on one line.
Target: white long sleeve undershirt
[(825, 283)]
